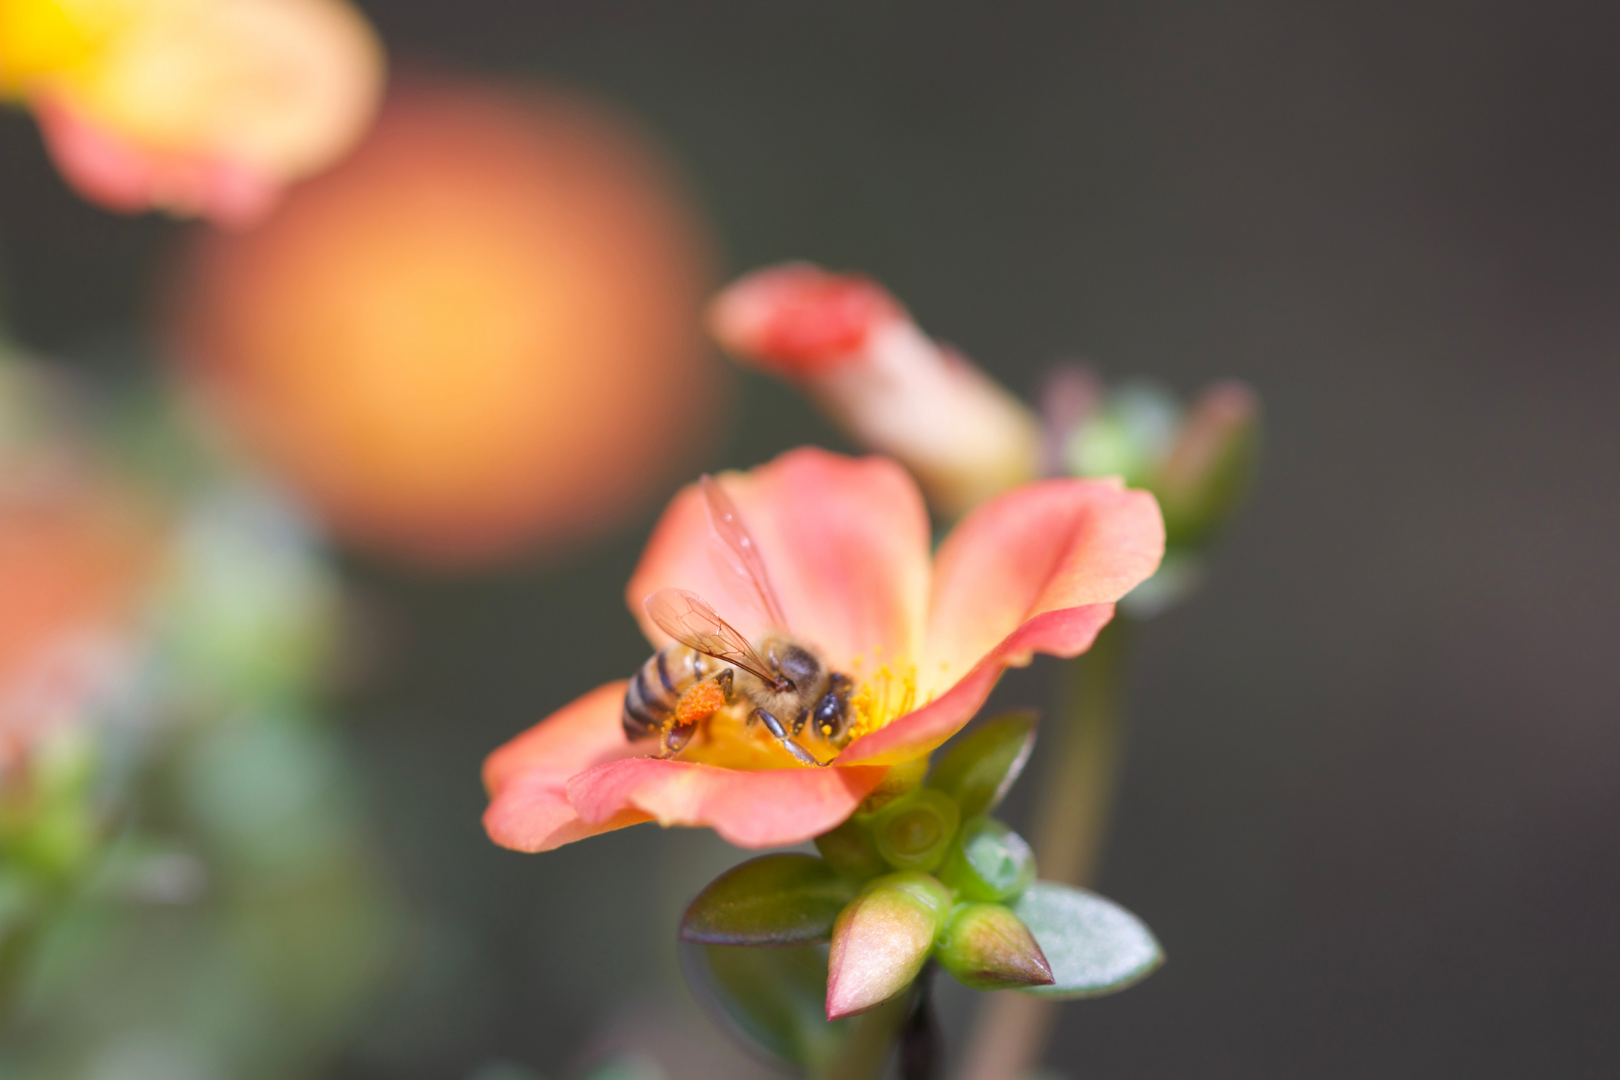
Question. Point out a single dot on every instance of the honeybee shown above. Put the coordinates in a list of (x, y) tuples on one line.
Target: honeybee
[(786, 681)]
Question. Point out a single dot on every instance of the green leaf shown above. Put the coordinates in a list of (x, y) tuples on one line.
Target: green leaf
[(983, 764), (773, 1000), (1093, 945), (786, 899)]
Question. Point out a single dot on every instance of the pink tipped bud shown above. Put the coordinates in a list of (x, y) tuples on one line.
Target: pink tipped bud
[(987, 947), (796, 320), (880, 941), (1211, 462), (855, 350)]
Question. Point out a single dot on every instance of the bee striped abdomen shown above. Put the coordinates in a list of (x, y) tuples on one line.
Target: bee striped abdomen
[(656, 689)]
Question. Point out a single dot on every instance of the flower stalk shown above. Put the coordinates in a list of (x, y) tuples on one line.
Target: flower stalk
[(1071, 823)]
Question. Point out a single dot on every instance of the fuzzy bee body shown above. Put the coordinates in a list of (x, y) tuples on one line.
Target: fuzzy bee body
[(784, 682), (651, 698), (799, 691)]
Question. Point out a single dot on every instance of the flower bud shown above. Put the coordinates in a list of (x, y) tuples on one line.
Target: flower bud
[(881, 940), (1210, 464), (986, 947), (1197, 461), (915, 832), (853, 348), (989, 862), (1128, 436)]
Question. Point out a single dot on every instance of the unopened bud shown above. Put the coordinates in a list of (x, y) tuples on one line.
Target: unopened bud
[(915, 832), (1208, 469), (989, 862), (856, 352), (881, 940), (986, 947)]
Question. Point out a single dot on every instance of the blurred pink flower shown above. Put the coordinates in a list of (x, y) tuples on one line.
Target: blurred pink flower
[(846, 543), (75, 562), (200, 107)]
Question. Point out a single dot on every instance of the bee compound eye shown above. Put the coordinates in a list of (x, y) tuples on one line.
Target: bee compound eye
[(798, 665)]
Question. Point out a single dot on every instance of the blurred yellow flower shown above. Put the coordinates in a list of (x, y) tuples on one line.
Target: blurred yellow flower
[(204, 107)]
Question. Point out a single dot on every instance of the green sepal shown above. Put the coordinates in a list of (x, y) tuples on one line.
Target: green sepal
[(989, 862), (783, 899), (1093, 945), (982, 765)]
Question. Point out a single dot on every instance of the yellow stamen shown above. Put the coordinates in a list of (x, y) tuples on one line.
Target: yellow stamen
[(726, 738), (881, 698)]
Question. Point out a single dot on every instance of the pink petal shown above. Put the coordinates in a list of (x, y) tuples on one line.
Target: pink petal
[(580, 734), (1068, 632), (767, 808), (121, 176), (845, 541), (1035, 570), (528, 777), (532, 813), (1048, 546)]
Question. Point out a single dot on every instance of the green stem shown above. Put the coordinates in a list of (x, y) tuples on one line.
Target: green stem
[(1071, 820), (1077, 790)]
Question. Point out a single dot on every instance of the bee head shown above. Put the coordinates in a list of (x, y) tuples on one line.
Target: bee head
[(797, 665)]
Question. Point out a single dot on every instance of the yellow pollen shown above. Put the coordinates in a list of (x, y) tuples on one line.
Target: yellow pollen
[(881, 698)]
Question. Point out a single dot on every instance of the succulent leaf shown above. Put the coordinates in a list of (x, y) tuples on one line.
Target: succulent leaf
[(1093, 945), (983, 764), (783, 899)]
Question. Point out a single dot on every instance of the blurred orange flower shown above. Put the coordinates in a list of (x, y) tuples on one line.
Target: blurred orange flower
[(478, 334), (204, 107), (846, 544)]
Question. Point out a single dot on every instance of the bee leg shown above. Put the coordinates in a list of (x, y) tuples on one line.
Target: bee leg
[(675, 739), (798, 721), (724, 681), (775, 727)]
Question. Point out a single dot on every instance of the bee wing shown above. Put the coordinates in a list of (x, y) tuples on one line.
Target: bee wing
[(737, 555), (688, 618)]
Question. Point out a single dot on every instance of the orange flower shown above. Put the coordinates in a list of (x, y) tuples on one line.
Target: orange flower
[(846, 546), (476, 335), (204, 107)]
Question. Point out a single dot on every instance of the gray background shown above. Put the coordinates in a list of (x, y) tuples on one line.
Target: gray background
[(1371, 803)]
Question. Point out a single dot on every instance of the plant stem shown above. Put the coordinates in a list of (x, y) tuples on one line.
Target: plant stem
[(1071, 819)]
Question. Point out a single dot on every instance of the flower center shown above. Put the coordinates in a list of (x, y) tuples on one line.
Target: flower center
[(727, 738), (887, 694)]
